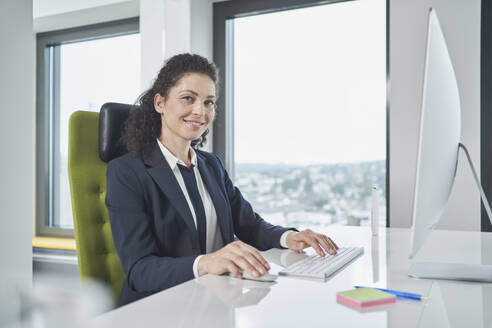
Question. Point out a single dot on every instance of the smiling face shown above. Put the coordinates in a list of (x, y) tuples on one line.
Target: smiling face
[(188, 109)]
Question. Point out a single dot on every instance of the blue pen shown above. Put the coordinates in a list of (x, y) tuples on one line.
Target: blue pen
[(398, 293)]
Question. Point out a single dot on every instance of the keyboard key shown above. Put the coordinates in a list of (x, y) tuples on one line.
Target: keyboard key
[(315, 266)]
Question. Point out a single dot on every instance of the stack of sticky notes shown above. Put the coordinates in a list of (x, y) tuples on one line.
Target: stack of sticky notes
[(363, 297)]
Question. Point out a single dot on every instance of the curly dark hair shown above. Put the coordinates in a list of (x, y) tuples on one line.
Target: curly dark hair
[(144, 124)]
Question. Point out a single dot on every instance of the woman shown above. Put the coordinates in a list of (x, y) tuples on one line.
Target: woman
[(173, 209)]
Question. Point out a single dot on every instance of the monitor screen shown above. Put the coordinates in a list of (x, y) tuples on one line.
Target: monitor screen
[(439, 136)]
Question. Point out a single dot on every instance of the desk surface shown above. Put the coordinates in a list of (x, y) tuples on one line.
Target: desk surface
[(221, 301)]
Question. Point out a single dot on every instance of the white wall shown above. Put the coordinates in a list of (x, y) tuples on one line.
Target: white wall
[(17, 131), (202, 40), (51, 15), (460, 21), (164, 31), (202, 27), (54, 7)]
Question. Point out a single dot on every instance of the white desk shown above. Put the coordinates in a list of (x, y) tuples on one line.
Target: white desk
[(220, 301)]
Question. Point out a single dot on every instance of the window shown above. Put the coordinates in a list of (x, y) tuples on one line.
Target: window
[(81, 70), (305, 110)]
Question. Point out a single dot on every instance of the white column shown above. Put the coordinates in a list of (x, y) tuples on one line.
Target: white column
[(17, 165), (202, 27), (170, 27), (164, 32), (201, 37)]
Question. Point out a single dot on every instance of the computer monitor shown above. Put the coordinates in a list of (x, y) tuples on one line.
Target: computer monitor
[(437, 157)]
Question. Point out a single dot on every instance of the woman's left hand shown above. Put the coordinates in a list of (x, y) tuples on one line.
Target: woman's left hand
[(307, 238)]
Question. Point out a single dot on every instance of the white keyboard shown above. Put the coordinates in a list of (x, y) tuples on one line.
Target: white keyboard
[(315, 266)]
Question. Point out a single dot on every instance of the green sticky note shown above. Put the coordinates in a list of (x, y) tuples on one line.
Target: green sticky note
[(361, 297)]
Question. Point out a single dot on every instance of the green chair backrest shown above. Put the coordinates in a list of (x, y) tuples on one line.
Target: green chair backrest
[(96, 252)]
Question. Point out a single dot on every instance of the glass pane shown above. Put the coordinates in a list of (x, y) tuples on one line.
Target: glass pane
[(310, 113), (91, 73)]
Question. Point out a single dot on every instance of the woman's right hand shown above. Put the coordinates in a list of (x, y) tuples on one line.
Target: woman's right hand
[(235, 257)]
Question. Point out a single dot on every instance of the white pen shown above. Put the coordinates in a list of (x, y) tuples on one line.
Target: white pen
[(375, 210)]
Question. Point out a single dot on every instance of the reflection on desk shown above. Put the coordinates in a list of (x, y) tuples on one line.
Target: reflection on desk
[(222, 301), (235, 292), (375, 258), (445, 305)]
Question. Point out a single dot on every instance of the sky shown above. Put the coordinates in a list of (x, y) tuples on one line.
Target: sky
[(91, 74), (95, 72), (310, 85)]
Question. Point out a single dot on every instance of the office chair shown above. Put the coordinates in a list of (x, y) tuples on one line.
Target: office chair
[(92, 142)]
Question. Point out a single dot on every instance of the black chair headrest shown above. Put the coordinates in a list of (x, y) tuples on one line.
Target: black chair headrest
[(112, 119)]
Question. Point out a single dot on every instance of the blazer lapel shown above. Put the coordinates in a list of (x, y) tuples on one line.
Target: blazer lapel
[(162, 174), (218, 198)]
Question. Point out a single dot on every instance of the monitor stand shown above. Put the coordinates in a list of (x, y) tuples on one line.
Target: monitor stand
[(457, 271), (451, 271)]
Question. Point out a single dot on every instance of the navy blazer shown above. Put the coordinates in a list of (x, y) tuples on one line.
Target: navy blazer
[(152, 225)]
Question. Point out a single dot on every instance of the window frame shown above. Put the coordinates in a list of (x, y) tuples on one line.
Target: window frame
[(223, 34), (47, 109)]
